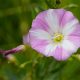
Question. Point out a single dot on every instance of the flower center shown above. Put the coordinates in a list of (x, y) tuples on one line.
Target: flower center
[(58, 37)]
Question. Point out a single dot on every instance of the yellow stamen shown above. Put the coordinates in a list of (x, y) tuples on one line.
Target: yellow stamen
[(58, 37)]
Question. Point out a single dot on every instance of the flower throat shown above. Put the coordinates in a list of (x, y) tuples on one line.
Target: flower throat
[(58, 37)]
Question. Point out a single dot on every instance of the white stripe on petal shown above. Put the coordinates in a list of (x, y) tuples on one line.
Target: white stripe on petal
[(69, 46), (49, 49), (52, 20), (69, 27), (40, 34)]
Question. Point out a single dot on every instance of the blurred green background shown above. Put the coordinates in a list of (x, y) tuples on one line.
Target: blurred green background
[(15, 20)]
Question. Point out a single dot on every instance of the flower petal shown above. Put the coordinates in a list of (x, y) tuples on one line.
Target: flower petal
[(40, 34), (60, 14), (76, 31), (52, 20), (74, 37), (75, 40), (26, 39), (49, 48), (69, 46), (39, 22), (61, 54), (69, 27), (66, 18), (39, 45)]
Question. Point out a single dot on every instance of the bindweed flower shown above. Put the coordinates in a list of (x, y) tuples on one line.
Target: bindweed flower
[(6, 53), (54, 32)]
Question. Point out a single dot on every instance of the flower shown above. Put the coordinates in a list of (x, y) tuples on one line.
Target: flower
[(13, 50), (54, 32)]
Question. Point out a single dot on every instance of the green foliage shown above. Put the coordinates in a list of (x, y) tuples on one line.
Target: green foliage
[(15, 20)]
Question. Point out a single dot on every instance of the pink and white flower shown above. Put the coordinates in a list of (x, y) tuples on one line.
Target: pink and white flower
[(54, 32)]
